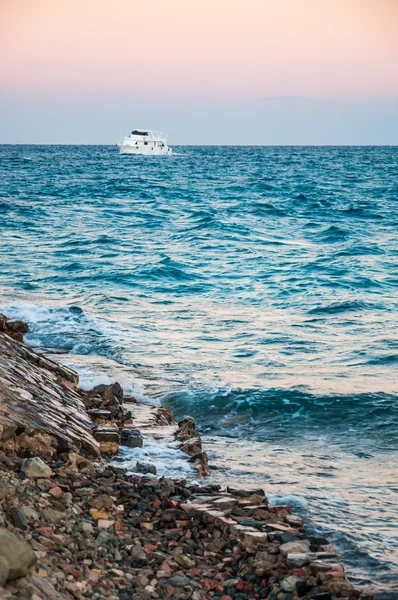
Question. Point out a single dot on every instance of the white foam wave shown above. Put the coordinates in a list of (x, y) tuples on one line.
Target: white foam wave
[(168, 459), (297, 502)]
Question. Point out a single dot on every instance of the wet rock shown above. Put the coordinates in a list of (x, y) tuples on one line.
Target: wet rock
[(245, 493), (100, 389), (186, 429), (35, 468), (18, 554), (114, 392), (146, 468), (201, 463), (131, 438), (14, 328), (192, 446)]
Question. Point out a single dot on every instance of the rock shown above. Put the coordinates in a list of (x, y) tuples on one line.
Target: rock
[(18, 554), (114, 391), (338, 586), (296, 560), (131, 438), (186, 429), (87, 527), (39, 394), (18, 518), (299, 546), (146, 468), (179, 581), (288, 584), (4, 571), (105, 523), (245, 493), (191, 446), (35, 468), (40, 444), (201, 463), (14, 328), (303, 587), (98, 413), (101, 388), (139, 557), (184, 561), (107, 434)]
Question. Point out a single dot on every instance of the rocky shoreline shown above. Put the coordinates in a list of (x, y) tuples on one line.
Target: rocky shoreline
[(74, 524)]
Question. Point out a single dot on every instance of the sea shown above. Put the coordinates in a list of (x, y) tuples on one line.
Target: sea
[(253, 288)]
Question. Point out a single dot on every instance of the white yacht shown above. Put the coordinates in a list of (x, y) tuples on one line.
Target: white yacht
[(144, 141)]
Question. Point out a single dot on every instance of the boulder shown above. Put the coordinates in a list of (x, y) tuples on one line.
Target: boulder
[(4, 571), (192, 446), (35, 468), (39, 395), (14, 328), (113, 393), (107, 434), (18, 555), (131, 438), (186, 429), (146, 468)]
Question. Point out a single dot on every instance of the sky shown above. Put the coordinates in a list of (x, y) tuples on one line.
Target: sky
[(204, 71)]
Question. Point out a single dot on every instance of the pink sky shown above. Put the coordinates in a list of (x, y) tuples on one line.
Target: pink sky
[(239, 48)]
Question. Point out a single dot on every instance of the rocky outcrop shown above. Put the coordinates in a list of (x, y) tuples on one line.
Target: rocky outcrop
[(14, 328), (73, 528), (38, 398)]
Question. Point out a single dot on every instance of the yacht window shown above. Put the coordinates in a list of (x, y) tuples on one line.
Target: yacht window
[(145, 143)]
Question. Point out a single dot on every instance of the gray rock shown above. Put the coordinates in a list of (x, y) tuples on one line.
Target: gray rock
[(18, 518), (146, 468), (35, 468), (131, 438), (18, 554)]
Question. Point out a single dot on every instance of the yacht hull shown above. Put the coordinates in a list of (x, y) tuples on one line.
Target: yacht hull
[(147, 151)]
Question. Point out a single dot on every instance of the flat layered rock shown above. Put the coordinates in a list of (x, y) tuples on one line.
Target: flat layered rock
[(40, 395)]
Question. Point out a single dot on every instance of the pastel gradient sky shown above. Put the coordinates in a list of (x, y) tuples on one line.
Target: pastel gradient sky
[(284, 71)]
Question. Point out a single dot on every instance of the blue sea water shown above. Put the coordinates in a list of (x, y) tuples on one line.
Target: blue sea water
[(254, 288)]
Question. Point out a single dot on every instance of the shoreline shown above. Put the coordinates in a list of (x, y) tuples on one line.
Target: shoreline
[(87, 529)]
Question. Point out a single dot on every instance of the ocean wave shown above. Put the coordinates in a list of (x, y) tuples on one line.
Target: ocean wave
[(69, 329), (275, 413)]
